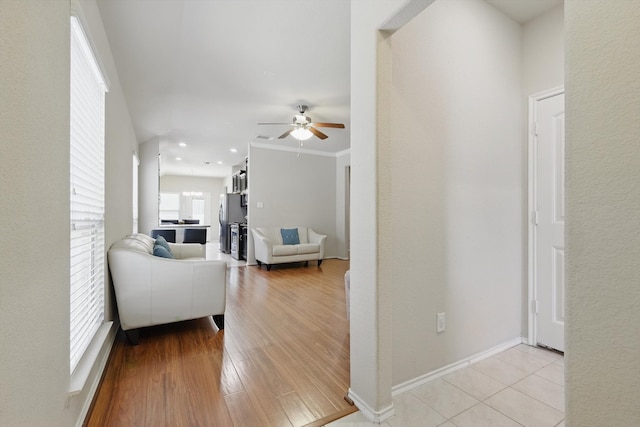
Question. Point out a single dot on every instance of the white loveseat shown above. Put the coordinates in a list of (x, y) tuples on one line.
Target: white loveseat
[(270, 249), (152, 290)]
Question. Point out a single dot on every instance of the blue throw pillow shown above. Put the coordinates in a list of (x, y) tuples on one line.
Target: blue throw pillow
[(163, 242), (290, 236), (161, 251)]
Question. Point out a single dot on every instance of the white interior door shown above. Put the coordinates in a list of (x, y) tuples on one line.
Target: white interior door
[(549, 218)]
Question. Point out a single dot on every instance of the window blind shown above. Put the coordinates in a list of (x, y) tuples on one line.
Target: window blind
[(87, 112)]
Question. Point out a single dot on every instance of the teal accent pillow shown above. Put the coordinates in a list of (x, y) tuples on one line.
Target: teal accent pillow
[(163, 242), (290, 236), (161, 251)]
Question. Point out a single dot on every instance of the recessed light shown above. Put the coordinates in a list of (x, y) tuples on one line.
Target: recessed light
[(178, 158), (219, 162), (233, 150), (182, 144)]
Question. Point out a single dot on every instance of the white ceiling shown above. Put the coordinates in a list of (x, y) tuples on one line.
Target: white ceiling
[(205, 72)]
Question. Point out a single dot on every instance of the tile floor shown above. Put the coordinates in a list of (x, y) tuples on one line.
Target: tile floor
[(522, 386), (213, 252)]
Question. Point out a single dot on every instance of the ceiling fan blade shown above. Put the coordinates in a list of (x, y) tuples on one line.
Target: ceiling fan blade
[(328, 125), (286, 134), (274, 123), (317, 133)]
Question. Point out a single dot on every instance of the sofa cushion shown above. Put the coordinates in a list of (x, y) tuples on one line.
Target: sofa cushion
[(302, 234), (284, 250), (134, 245), (162, 242), (290, 236), (271, 233), (147, 242), (161, 251), (308, 248)]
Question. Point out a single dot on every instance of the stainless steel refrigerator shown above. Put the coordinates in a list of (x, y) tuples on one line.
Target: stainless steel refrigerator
[(231, 211)]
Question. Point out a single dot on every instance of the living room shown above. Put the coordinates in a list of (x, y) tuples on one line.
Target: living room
[(35, 296)]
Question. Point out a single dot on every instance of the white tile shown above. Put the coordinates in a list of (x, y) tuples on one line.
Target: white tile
[(524, 409), (500, 370), (412, 412), (540, 352), (448, 400), (552, 372), (543, 390), (357, 419), (474, 383), (482, 415), (526, 361)]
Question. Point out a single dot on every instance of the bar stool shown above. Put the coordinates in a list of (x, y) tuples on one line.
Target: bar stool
[(168, 234), (195, 235)]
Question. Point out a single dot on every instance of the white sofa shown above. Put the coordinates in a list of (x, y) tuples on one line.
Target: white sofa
[(269, 248), (152, 290)]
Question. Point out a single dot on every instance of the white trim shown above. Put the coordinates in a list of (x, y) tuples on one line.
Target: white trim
[(532, 332), (296, 150), (76, 12), (343, 152), (93, 354), (430, 376), (370, 413), (100, 363)]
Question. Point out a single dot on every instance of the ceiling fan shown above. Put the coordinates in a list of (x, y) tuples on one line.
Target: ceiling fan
[(302, 128)]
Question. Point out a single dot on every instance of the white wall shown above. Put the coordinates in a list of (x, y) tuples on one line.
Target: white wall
[(542, 69), (34, 207), (294, 190), (603, 213), (543, 52), (213, 186), (149, 185), (455, 173), (370, 319), (343, 164)]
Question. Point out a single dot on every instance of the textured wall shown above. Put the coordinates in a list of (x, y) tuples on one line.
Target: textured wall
[(34, 212), (34, 206), (370, 303), (456, 187), (294, 190), (603, 213)]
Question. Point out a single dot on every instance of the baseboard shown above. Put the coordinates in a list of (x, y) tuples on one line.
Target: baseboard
[(368, 411), (423, 379)]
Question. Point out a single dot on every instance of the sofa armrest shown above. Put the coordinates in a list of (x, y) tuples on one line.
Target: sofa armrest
[(317, 238), (187, 250), (263, 247), (153, 290)]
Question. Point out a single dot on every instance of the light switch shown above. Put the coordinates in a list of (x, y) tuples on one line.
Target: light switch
[(259, 205)]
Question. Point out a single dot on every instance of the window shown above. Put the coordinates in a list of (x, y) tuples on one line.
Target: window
[(87, 112), (169, 206)]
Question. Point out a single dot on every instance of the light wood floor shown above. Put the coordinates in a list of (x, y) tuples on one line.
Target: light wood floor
[(282, 359)]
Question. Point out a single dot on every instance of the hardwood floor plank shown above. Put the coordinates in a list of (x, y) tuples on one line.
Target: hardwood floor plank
[(298, 413), (282, 360)]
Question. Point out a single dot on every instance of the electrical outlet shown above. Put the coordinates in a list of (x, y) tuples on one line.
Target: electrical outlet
[(440, 322)]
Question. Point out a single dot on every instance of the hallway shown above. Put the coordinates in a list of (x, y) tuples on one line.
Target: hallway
[(522, 386)]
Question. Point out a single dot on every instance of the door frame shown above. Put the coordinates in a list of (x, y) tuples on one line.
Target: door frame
[(532, 336)]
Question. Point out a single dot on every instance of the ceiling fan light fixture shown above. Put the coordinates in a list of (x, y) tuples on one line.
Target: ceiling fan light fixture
[(301, 134)]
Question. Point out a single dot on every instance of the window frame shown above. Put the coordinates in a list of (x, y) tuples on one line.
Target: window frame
[(87, 205)]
